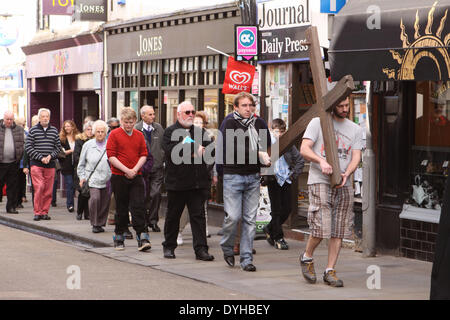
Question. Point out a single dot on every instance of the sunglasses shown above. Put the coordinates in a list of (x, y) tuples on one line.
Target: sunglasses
[(188, 112)]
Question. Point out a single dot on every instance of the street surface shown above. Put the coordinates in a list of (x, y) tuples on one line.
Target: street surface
[(34, 267)]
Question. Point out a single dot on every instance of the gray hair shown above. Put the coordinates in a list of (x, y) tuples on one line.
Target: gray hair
[(99, 123), (111, 120), (145, 109), (184, 103), (44, 110), (87, 125)]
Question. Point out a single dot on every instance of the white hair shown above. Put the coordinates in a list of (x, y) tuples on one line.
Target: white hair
[(184, 103), (99, 123), (87, 125), (44, 110), (146, 108)]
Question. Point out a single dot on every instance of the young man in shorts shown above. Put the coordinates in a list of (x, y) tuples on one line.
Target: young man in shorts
[(330, 213)]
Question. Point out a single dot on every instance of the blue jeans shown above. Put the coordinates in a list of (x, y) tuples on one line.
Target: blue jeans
[(68, 180), (241, 201)]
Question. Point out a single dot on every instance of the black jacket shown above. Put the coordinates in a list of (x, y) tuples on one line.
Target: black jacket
[(440, 274), (185, 175), (67, 167)]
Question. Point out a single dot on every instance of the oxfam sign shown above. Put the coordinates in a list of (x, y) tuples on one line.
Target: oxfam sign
[(246, 42)]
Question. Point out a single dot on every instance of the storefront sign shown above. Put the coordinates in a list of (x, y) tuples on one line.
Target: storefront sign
[(91, 10), (282, 14), (9, 32), (11, 79), (282, 27), (246, 43), (73, 60), (283, 45), (58, 7), (150, 46)]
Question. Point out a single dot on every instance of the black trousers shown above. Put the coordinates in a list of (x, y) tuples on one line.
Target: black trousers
[(176, 201), (129, 196), (83, 206), (280, 204), (153, 195), (21, 185), (8, 175)]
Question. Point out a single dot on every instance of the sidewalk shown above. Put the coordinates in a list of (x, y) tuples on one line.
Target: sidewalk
[(278, 275)]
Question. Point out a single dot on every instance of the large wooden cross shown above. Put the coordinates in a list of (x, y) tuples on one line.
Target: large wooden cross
[(324, 102)]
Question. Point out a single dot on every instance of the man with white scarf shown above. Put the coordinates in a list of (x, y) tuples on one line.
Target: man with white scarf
[(245, 141)]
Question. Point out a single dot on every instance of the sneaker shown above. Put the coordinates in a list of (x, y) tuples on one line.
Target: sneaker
[(281, 244), (268, 237), (308, 270), (119, 242), (331, 279), (143, 242), (179, 239)]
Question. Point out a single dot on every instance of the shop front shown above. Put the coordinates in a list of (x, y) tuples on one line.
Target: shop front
[(12, 91), (66, 77), (162, 61), (404, 52)]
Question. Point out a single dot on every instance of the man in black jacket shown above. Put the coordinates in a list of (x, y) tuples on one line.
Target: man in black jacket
[(186, 178), (11, 151)]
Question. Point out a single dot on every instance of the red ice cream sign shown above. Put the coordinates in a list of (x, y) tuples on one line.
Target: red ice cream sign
[(238, 78)]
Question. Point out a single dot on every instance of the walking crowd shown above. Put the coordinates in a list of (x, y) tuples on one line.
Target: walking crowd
[(119, 168)]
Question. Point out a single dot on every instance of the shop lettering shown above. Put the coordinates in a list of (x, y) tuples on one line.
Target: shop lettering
[(284, 16), (84, 8), (275, 46), (150, 45), (63, 3)]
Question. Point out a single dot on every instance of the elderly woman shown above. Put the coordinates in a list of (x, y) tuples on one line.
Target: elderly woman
[(80, 139), (93, 152)]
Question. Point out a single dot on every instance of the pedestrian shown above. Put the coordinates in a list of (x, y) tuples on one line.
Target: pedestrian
[(244, 152), (330, 212), (80, 140), (12, 138), (93, 167), (127, 153), (26, 159), (22, 178), (287, 168), (67, 136), (201, 121), (42, 146), (153, 133), (186, 180)]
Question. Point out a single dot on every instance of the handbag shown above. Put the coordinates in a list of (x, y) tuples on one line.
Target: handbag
[(85, 190)]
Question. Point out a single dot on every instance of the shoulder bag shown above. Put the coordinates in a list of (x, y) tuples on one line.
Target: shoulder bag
[(85, 192)]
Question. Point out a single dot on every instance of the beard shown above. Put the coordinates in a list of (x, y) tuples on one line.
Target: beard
[(342, 115), (186, 123)]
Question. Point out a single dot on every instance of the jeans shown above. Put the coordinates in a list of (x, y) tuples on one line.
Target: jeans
[(70, 192), (241, 201)]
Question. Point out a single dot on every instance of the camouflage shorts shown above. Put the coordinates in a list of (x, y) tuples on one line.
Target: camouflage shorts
[(330, 212)]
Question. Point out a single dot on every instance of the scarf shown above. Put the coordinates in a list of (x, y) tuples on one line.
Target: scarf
[(250, 125)]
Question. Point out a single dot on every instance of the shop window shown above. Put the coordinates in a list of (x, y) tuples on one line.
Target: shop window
[(430, 154), (211, 108), (277, 86)]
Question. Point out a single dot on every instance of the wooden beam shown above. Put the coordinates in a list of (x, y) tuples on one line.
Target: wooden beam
[(342, 89)]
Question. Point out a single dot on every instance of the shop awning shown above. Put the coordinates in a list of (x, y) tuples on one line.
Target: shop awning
[(385, 39)]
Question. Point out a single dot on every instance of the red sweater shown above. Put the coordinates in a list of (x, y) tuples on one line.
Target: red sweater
[(128, 150)]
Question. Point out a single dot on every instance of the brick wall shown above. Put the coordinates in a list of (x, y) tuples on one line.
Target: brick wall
[(418, 239)]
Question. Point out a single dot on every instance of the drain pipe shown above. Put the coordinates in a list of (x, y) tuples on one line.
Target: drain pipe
[(369, 183)]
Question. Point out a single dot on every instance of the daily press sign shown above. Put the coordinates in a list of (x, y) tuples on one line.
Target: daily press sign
[(282, 25)]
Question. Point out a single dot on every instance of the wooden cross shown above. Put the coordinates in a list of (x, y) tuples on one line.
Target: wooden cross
[(324, 102)]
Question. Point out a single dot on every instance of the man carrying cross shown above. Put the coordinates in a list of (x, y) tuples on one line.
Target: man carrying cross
[(330, 213)]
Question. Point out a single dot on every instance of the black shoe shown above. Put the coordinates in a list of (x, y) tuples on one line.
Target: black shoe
[(45, 217), (86, 217), (155, 227), (79, 216), (229, 260), (96, 229), (204, 256), (53, 204), (20, 206), (250, 267), (71, 209), (36, 217), (128, 235), (119, 243), (169, 253), (268, 237), (12, 210)]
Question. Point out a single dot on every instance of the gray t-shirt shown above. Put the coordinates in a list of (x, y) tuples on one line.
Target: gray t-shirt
[(8, 148), (349, 138)]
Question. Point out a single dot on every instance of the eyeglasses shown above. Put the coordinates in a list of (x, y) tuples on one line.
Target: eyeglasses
[(188, 112)]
